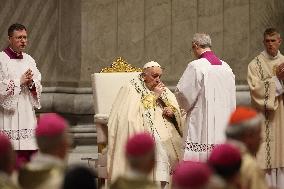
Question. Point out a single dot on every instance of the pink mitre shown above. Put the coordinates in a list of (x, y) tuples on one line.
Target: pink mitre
[(50, 124), (5, 144), (139, 145), (191, 174), (225, 155)]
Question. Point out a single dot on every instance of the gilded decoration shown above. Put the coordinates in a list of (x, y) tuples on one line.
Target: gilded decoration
[(120, 65), (168, 104), (274, 69), (149, 101)]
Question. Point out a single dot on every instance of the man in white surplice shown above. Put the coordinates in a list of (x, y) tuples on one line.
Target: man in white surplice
[(207, 92), (20, 91)]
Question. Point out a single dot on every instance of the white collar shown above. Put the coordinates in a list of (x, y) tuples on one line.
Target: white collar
[(269, 56), (208, 50)]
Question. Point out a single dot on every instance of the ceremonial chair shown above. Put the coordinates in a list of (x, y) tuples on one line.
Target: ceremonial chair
[(106, 85)]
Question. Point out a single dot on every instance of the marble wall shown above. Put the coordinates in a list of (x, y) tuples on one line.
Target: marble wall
[(54, 34), (161, 30), (70, 39)]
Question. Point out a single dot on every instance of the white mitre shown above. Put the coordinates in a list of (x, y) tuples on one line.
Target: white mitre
[(151, 64)]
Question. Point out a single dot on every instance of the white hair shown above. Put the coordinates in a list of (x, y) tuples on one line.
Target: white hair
[(202, 39)]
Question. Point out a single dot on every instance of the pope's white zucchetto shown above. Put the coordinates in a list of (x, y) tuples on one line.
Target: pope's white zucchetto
[(151, 64)]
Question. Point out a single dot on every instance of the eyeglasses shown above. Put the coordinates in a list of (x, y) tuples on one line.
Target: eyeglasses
[(21, 37)]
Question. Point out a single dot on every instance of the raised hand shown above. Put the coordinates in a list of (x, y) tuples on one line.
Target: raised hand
[(159, 89), (27, 77), (280, 72), (168, 112)]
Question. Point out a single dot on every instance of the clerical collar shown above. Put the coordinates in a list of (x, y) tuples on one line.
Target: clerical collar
[(12, 54), (269, 56), (211, 57)]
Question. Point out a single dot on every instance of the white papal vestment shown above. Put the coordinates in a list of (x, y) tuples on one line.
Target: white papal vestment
[(133, 111)]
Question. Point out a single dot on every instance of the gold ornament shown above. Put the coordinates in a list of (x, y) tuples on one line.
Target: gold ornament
[(120, 65), (149, 101)]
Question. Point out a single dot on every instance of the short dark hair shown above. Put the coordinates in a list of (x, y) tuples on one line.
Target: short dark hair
[(270, 32), (15, 27)]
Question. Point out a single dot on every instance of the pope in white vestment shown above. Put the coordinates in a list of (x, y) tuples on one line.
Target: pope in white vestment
[(207, 93), (144, 104), (17, 101)]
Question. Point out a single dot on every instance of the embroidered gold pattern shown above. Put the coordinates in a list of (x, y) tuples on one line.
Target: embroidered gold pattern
[(274, 69), (266, 115), (149, 101), (168, 104), (120, 65)]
